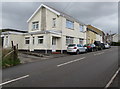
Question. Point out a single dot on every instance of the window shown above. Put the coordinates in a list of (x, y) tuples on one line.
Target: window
[(35, 25), (6, 43), (53, 40), (27, 40), (69, 40), (69, 24), (81, 41), (40, 39), (71, 45), (81, 28), (54, 22), (33, 40), (79, 45)]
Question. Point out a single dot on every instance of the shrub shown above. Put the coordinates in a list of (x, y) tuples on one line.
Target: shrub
[(115, 43), (9, 60)]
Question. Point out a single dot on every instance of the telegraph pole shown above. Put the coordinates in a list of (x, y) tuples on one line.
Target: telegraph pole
[(110, 37)]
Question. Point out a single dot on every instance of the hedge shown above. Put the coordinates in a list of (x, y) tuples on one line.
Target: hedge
[(115, 44)]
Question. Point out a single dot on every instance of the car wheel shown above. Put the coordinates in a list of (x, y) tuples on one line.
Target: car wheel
[(92, 50), (77, 52), (96, 49)]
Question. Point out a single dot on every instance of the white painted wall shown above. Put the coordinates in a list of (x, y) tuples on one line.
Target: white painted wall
[(116, 38), (47, 42), (99, 38), (37, 17), (17, 39)]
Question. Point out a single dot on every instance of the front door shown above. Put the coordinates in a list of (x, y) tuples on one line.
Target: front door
[(54, 43)]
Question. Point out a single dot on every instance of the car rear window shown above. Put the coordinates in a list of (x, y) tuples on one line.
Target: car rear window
[(71, 45)]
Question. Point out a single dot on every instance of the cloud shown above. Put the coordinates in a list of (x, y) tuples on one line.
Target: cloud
[(100, 14), (109, 22)]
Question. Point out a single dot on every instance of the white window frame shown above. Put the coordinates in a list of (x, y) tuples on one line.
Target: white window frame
[(54, 22), (81, 28), (69, 40), (81, 41), (35, 25), (54, 42), (33, 40), (68, 22), (6, 42), (27, 39), (40, 38)]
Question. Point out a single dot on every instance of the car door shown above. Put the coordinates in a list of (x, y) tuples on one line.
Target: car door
[(83, 48), (80, 48)]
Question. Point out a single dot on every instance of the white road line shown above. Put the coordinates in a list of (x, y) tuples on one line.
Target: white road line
[(109, 83), (70, 62), (99, 53), (14, 80)]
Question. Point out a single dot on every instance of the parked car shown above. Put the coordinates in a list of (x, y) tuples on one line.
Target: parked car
[(107, 45), (98, 45), (91, 47), (103, 45), (76, 48)]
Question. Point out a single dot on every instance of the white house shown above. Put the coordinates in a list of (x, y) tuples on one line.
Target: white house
[(116, 38), (99, 38), (48, 30)]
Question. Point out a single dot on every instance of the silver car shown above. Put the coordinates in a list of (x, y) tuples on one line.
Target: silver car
[(76, 48), (107, 45)]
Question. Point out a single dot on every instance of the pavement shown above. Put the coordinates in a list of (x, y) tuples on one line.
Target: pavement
[(93, 69), (26, 57)]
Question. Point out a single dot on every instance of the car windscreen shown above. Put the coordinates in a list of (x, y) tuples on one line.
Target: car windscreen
[(71, 45)]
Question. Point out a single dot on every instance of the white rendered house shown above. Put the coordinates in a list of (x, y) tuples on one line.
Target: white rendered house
[(49, 30)]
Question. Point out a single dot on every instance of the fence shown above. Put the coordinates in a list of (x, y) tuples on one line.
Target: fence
[(11, 58)]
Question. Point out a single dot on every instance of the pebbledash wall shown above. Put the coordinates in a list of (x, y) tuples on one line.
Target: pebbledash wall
[(47, 31)]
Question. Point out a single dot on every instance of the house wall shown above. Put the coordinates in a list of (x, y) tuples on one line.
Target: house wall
[(99, 35), (60, 26), (116, 38), (17, 39), (35, 18), (91, 37), (36, 46), (99, 38), (49, 21)]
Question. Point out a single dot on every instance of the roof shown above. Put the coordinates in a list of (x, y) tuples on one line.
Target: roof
[(100, 32), (59, 13), (13, 30), (42, 32)]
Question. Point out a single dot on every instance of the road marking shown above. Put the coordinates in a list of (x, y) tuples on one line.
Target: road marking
[(109, 83), (14, 80), (99, 53), (70, 62)]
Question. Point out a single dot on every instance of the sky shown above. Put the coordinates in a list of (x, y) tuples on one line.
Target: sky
[(102, 15)]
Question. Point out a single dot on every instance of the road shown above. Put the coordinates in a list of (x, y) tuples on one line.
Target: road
[(93, 69)]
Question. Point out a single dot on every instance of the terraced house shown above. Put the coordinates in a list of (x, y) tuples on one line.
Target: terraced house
[(49, 30), (94, 34)]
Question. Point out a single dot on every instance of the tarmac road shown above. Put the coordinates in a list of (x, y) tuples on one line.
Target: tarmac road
[(93, 69)]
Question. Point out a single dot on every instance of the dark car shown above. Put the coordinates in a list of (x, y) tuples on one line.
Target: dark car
[(103, 45), (99, 45), (91, 47)]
